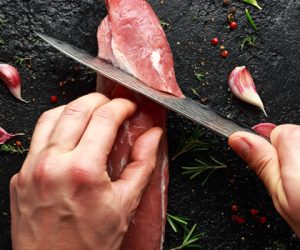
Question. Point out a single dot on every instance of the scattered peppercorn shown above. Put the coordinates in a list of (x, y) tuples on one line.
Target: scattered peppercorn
[(262, 220), (234, 208), (233, 25), (232, 11), (215, 41), (224, 53), (253, 211), (204, 100), (240, 220), (18, 143), (53, 99), (237, 219), (226, 2)]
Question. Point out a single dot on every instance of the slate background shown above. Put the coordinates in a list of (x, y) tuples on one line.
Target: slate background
[(273, 62)]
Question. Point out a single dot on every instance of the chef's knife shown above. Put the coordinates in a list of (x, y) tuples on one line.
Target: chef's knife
[(184, 106)]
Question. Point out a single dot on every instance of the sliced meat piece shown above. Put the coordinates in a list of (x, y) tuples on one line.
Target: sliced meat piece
[(138, 43), (131, 38)]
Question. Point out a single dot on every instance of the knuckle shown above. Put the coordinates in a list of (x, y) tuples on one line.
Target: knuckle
[(149, 164), (20, 179), (80, 176), (14, 181), (260, 164), (46, 116), (76, 109), (104, 114), (41, 176), (42, 173), (81, 172), (285, 132), (13, 187)]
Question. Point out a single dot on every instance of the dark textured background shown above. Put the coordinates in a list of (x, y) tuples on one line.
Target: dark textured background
[(273, 62)]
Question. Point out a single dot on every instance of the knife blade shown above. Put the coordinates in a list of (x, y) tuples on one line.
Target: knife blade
[(187, 107)]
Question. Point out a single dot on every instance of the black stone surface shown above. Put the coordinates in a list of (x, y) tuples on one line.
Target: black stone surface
[(273, 62)]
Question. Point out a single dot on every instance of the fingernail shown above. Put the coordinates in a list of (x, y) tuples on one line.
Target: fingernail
[(240, 146)]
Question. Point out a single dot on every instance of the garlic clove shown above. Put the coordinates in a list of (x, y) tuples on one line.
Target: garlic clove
[(242, 86), (264, 129), (4, 136), (12, 80)]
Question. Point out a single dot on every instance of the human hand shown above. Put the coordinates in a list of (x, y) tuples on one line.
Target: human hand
[(63, 197), (278, 166)]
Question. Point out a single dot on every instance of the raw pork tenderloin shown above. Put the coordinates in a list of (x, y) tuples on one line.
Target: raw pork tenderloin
[(131, 38)]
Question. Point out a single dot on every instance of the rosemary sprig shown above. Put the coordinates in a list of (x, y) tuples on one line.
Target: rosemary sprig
[(20, 60), (164, 24), (248, 40), (37, 42), (249, 17), (176, 222), (199, 76), (195, 18), (253, 3), (12, 149), (193, 143), (197, 167), (195, 92), (190, 239)]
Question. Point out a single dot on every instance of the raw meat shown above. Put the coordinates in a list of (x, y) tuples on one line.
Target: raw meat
[(131, 38)]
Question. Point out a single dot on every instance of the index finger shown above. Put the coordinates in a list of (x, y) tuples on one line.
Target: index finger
[(44, 128)]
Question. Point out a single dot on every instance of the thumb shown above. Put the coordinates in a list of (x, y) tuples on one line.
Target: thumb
[(260, 155), (137, 173)]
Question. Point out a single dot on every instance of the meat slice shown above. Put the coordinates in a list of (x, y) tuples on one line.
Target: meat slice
[(134, 41), (131, 38)]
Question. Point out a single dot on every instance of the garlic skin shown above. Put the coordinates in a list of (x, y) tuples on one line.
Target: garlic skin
[(242, 86), (264, 129), (11, 78), (4, 136)]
